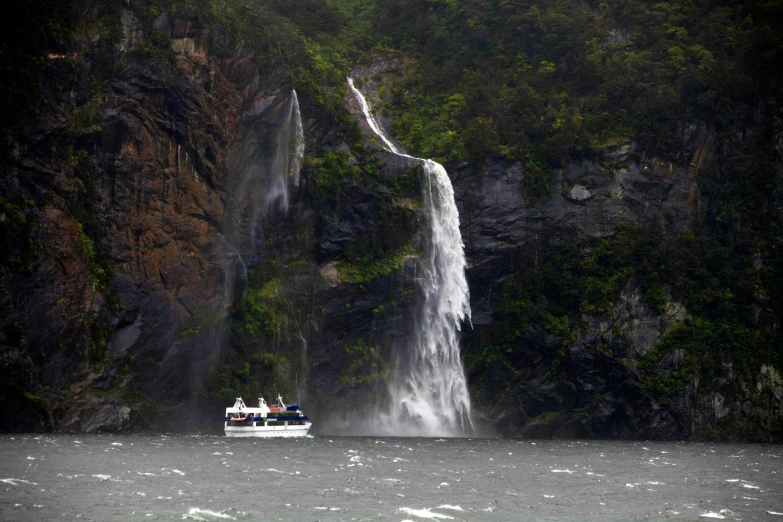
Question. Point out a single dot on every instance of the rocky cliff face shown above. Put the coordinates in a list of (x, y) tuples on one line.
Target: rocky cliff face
[(141, 283), (589, 374), (154, 174), (585, 381), (588, 386), (142, 198)]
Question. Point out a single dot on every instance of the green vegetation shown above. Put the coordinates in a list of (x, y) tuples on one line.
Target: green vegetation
[(364, 269), (87, 118), (37, 404), (265, 323), (407, 185), (114, 385), (99, 268), (314, 42), (325, 174), (263, 314), (101, 335), (721, 295), (545, 418), (333, 184), (83, 211), (537, 182), (559, 79), (365, 367)]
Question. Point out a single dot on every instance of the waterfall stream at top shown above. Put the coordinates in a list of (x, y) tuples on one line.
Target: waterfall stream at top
[(287, 159), (285, 164), (428, 391), (265, 171)]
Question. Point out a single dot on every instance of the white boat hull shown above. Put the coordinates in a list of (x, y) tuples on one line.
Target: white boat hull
[(299, 430)]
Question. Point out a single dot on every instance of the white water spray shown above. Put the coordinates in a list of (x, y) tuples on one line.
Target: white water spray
[(287, 159), (429, 395), (269, 182)]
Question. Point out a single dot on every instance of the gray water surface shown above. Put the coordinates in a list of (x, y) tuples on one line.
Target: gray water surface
[(93, 477)]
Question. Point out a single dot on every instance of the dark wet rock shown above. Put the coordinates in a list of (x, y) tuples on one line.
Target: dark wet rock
[(592, 386), (172, 165)]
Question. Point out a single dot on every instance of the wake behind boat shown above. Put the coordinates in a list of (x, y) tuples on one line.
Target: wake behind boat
[(263, 421)]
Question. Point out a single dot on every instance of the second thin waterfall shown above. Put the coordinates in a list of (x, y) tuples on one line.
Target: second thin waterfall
[(428, 392), (287, 158)]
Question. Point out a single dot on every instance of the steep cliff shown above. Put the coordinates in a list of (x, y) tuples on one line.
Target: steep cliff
[(151, 276), (571, 335), (619, 188), (147, 277), (124, 176)]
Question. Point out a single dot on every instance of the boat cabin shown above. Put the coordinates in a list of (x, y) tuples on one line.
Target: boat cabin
[(281, 415)]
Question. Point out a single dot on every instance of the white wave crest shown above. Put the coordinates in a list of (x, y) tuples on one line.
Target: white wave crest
[(424, 513)]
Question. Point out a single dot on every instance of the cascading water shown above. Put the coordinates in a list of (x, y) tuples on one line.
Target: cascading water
[(265, 168), (370, 117), (286, 162), (429, 395)]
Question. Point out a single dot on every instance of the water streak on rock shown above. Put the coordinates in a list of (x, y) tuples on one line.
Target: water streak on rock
[(370, 117), (287, 158)]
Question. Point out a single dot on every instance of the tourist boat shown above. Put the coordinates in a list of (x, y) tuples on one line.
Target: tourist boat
[(263, 421)]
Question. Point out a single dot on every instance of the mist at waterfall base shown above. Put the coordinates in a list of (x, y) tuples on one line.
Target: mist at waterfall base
[(427, 391), (93, 477)]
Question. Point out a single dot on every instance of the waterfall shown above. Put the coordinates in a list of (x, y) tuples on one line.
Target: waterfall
[(264, 170), (428, 392), (286, 159), (370, 117)]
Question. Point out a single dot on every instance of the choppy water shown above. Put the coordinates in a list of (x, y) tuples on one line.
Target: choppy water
[(70, 477)]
